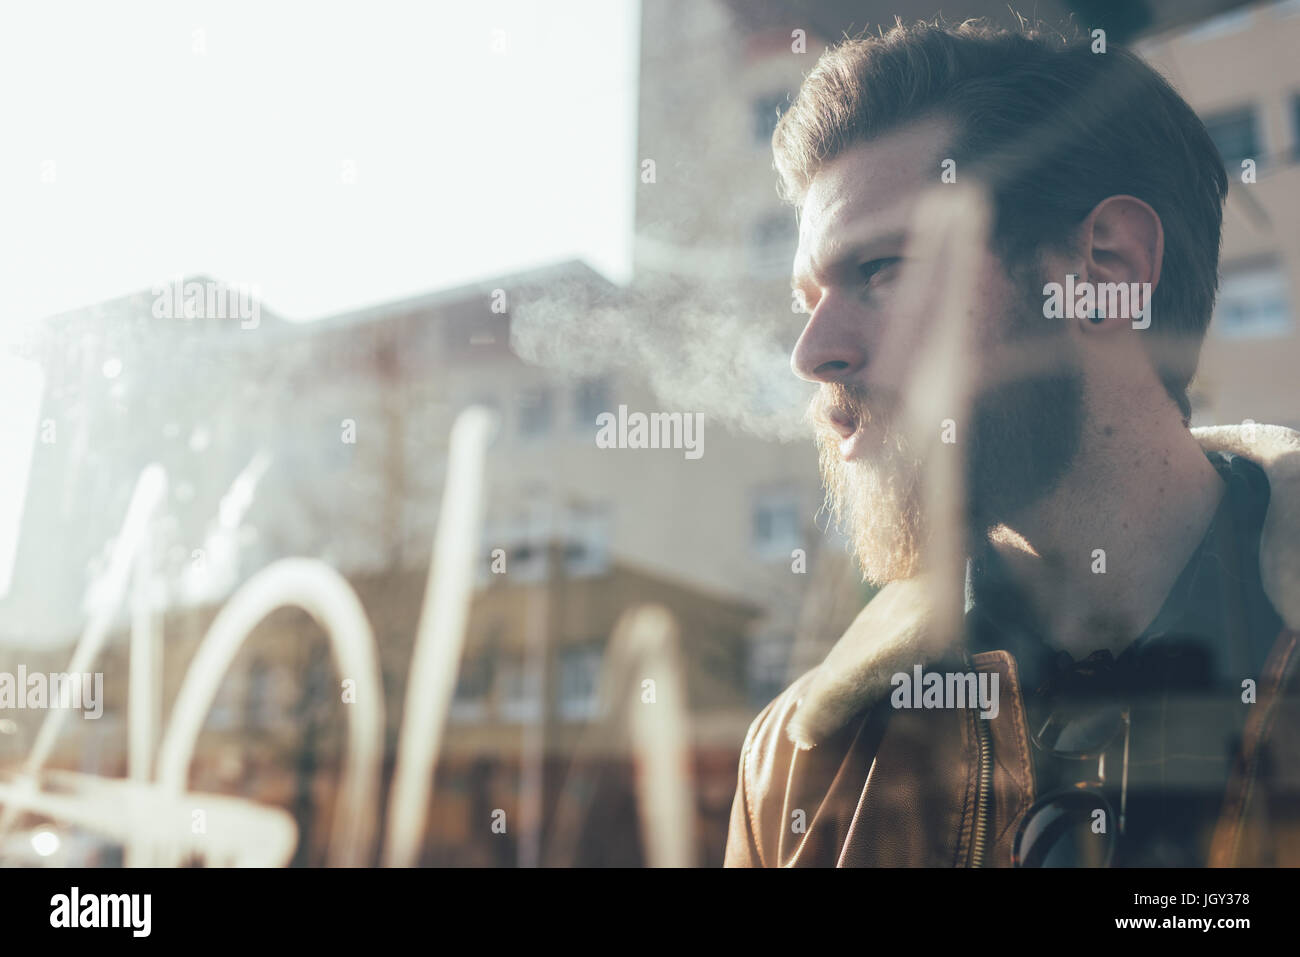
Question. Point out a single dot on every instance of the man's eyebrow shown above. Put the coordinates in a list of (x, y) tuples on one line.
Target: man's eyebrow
[(886, 246)]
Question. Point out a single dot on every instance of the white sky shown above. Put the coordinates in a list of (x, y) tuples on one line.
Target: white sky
[(166, 161)]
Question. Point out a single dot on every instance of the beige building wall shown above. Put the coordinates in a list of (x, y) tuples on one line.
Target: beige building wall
[(1246, 61)]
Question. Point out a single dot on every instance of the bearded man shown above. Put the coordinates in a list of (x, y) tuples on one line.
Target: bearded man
[(1131, 585)]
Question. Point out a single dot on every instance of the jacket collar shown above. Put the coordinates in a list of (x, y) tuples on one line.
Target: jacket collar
[(891, 634)]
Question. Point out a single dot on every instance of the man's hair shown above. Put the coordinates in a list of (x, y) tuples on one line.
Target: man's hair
[(1053, 129)]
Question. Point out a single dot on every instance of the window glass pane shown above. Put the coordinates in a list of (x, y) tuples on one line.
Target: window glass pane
[(1236, 136), (590, 400), (586, 544), (535, 411), (1253, 301), (472, 686), (518, 693), (1295, 125), (579, 683), (776, 523)]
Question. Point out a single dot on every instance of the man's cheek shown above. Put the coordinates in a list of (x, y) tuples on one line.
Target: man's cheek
[(890, 371)]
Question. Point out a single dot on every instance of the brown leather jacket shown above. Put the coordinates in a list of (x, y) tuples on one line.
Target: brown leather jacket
[(831, 776)]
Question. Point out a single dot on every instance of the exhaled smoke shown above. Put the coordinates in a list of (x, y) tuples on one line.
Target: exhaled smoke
[(698, 348)]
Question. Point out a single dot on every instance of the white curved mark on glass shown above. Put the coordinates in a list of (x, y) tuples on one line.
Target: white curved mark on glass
[(440, 638), (325, 595)]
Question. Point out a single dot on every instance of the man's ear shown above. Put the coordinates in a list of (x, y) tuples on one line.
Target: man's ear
[(1121, 241)]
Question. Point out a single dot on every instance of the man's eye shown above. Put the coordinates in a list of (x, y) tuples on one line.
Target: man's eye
[(880, 270)]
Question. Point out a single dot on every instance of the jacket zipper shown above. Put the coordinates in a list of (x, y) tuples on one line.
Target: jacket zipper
[(984, 793)]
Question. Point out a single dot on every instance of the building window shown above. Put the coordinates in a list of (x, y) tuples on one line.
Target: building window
[(523, 537), (472, 686), (535, 411), (529, 552), (579, 686), (590, 399), (518, 696), (776, 526), (1295, 126), (767, 668), (1236, 135), (526, 561), (767, 110), (1253, 302), (586, 540)]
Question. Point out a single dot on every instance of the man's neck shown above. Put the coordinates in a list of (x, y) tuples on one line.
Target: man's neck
[(1136, 503)]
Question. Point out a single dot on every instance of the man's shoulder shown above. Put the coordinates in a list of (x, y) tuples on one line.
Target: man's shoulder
[(773, 744), (767, 732), (767, 747), (769, 784)]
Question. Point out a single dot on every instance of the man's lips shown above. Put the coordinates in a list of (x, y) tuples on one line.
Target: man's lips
[(845, 423), (849, 428)]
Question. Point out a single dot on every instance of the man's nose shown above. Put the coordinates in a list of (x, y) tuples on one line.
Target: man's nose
[(831, 347)]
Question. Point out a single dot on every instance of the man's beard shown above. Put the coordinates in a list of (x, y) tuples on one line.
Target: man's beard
[(1022, 436)]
